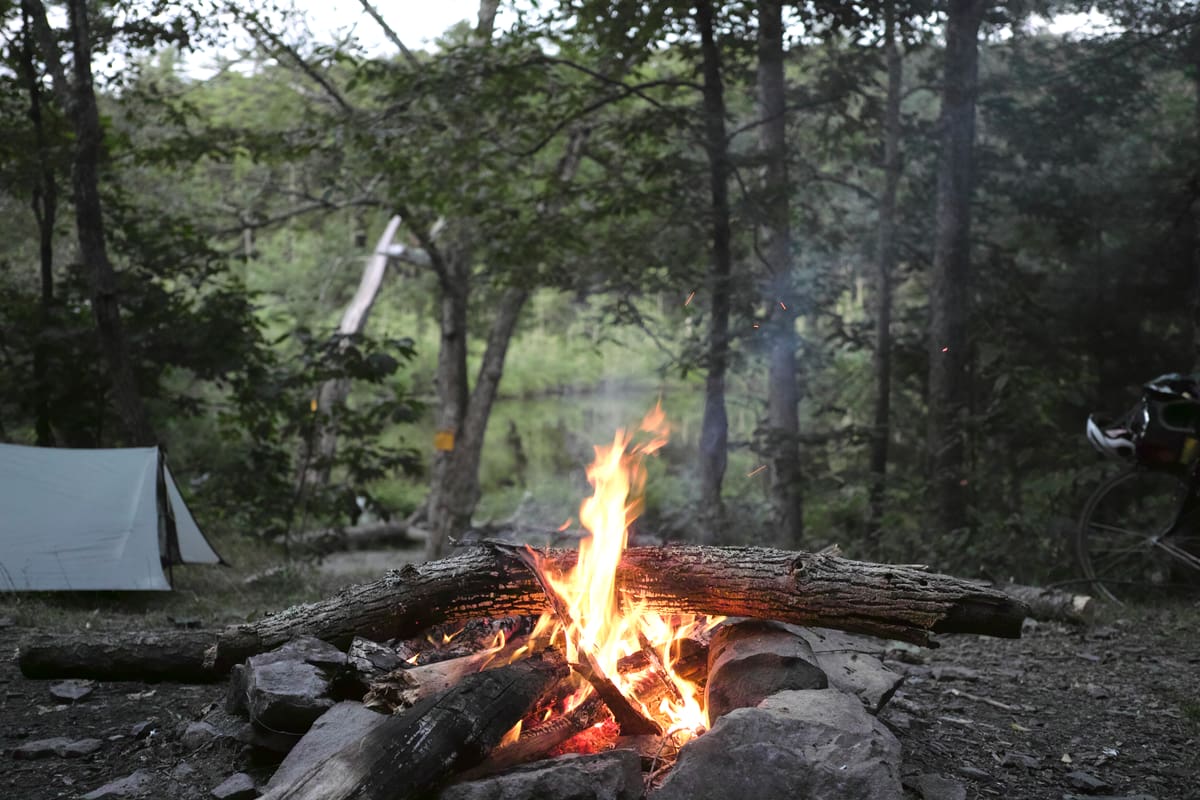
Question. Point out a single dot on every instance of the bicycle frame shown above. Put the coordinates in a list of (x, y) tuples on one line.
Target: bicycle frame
[(1190, 504)]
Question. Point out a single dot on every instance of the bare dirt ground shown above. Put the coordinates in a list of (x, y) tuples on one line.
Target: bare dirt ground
[(1062, 712)]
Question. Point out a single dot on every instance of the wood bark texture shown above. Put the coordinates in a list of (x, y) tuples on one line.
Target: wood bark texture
[(892, 602), (114, 656), (410, 754)]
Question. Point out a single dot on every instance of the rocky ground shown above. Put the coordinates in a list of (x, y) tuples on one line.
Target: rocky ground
[(1108, 711)]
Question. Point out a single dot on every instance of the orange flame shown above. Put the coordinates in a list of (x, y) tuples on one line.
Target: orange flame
[(602, 625)]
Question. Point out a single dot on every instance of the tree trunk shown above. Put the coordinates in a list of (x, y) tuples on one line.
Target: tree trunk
[(1195, 59), (885, 265), (457, 493), (89, 222), (783, 422), (949, 301), (333, 393), (411, 753), (714, 429), (45, 210), (802, 588)]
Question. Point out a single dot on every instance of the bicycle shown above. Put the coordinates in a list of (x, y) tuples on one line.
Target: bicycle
[(1139, 533)]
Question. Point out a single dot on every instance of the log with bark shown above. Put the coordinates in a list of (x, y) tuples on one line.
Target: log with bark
[(823, 590), (411, 753), (893, 602), (1053, 605), (116, 656)]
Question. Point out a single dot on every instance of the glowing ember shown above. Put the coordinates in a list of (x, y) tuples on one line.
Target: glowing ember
[(602, 625)]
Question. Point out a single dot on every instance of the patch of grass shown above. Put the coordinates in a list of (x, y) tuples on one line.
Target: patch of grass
[(215, 595)]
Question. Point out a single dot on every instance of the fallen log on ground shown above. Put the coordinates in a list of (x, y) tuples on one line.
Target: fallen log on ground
[(411, 753), (117, 656), (892, 602), (368, 536), (1053, 605)]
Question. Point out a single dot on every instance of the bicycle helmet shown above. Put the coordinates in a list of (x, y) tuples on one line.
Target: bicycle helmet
[(1113, 440)]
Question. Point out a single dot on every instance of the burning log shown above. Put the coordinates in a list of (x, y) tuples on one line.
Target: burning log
[(405, 687), (538, 741), (411, 753), (892, 602)]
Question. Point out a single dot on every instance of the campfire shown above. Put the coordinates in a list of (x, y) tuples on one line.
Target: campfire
[(599, 628), (503, 655)]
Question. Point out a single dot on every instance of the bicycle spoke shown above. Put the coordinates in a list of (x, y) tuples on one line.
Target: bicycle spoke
[(1115, 529)]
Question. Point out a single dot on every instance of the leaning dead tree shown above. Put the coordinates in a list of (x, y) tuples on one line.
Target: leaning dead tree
[(894, 602)]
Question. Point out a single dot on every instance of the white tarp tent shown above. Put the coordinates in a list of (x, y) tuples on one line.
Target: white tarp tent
[(92, 519)]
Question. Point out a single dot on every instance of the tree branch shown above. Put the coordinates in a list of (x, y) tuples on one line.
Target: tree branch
[(389, 33)]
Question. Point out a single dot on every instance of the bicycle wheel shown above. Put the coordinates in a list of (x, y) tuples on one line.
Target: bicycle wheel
[(1120, 539)]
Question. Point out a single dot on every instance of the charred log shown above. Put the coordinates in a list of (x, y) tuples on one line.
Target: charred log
[(411, 753)]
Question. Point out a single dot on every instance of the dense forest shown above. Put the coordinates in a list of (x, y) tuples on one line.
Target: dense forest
[(879, 260)]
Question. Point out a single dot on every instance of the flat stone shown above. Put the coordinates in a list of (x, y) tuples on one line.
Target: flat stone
[(310, 650), (238, 786), (183, 770), (6, 622), (136, 785), (612, 775), (198, 734), (59, 746), (816, 744), (285, 695), (143, 729), (936, 787), (852, 665), (1087, 782), (975, 773), (346, 722), (235, 729), (72, 691), (1015, 759)]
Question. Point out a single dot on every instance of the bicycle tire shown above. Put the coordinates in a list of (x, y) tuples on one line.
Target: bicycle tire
[(1115, 540)]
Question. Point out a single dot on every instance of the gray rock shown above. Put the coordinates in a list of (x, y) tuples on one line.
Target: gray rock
[(6, 622), (345, 722), (72, 691), (1087, 782), (198, 734), (1016, 759), (136, 785), (238, 786), (59, 746), (143, 729), (815, 744), (183, 770), (937, 787), (852, 664), (286, 690), (370, 658), (310, 650), (286, 695), (975, 773), (751, 660), (613, 775), (235, 729)]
